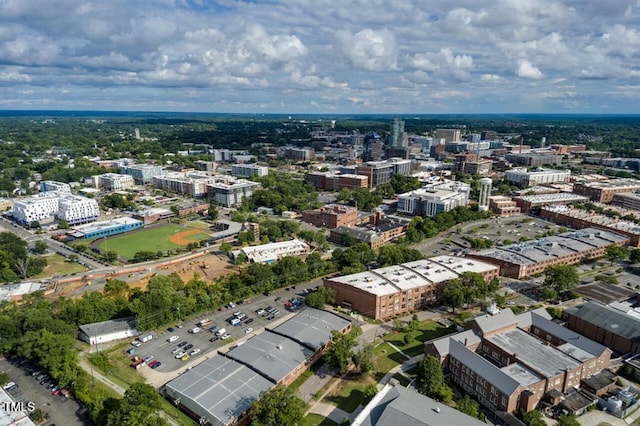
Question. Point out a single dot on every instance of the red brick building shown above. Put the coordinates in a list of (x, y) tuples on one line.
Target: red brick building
[(331, 216)]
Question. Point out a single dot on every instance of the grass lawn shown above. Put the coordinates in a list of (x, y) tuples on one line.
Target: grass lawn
[(58, 265), (316, 420), (426, 331), (178, 416), (385, 358), (304, 376), (118, 369), (349, 394), (149, 239)]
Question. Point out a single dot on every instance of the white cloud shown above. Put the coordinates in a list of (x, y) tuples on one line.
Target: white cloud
[(527, 70), (369, 50)]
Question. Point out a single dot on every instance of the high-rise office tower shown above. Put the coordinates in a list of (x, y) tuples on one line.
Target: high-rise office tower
[(396, 136)]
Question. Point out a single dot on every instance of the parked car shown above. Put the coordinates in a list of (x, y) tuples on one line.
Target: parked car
[(179, 355), (148, 359), (156, 365), (194, 352), (181, 344), (225, 336), (136, 343), (248, 330), (171, 329), (260, 311), (8, 385), (248, 321), (176, 350), (173, 339), (186, 348), (213, 339), (195, 330), (277, 299), (185, 357)]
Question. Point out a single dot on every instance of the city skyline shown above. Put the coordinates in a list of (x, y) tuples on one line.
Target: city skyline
[(356, 57)]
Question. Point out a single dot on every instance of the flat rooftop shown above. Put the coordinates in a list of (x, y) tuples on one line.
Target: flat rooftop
[(96, 226), (597, 219), (410, 275), (534, 352), (613, 183), (219, 386), (312, 327), (521, 374), (560, 197), (273, 355)]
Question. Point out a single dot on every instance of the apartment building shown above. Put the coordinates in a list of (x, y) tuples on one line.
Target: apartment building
[(533, 257), (534, 159), (503, 206), (143, 173), (336, 181), (386, 292), (248, 170), (229, 191), (511, 362), (114, 181), (76, 209), (54, 186), (628, 200), (47, 205), (192, 184)]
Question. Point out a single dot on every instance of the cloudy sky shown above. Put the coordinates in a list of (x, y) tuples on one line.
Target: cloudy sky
[(322, 56)]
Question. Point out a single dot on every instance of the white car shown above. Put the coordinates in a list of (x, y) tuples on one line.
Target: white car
[(180, 355), (248, 330), (136, 343), (194, 352), (173, 339), (195, 330), (225, 336), (9, 385), (237, 314), (176, 350)]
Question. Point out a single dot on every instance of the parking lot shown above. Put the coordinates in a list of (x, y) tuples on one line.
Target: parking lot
[(185, 341), (61, 411)]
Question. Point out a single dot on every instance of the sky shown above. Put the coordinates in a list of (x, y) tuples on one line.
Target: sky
[(322, 56)]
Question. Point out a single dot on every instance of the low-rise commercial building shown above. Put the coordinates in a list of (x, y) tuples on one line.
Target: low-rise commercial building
[(331, 216), (511, 362), (529, 202), (579, 219), (503, 206), (267, 253), (394, 290), (106, 228), (603, 191), (220, 390), (108, 331), (533, 257), (628, 200), (524, 178), (533, 159)]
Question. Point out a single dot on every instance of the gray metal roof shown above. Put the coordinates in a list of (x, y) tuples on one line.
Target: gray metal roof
[(273, 355), (483, 368), (108, 327), (312, 327), (534, 352), (401, 406), (467, 337), (607, 318), (219, 388), (568, 336), (489, 323), (525, 319)]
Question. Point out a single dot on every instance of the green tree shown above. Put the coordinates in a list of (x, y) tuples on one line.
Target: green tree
[(276, 407), (562, 278), (40, 247), (568, 420), (323, 296), (363, 359), (430, 376), (226, 247), (340, 351), (614, 253), (532, 418), (213, 212), (634, 256), (469, 406), (453, 294), (370, 391)]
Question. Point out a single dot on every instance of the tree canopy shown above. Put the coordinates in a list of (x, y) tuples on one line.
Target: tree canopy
[(276, 407)]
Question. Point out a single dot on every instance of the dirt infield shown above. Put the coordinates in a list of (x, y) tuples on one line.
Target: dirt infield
[(180, 237)]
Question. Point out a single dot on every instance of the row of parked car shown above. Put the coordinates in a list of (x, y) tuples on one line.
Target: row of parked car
[(182, 351)]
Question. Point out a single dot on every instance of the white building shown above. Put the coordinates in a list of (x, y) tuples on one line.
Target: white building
[(522, 177), (53, 186), (72, 208), (248, 170), (108, 331), (142, 173), (114, 181), (229, 191), (76, 209), (36, 209), (193, 183), (271, 252), (434, 198)]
